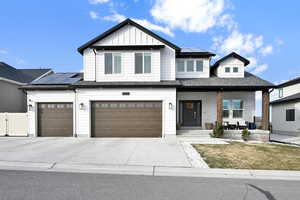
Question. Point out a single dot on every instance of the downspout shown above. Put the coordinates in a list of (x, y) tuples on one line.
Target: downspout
[(95, 52), (75, 111), (269, 117)]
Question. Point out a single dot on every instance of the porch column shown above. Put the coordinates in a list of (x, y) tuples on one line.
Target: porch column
[(220, 106), (265, 120)]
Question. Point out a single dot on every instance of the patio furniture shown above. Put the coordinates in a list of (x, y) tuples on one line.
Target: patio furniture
[(232, 125), (226, 125), (241, 124)]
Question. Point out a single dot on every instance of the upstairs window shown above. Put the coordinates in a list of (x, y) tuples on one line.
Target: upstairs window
[(280, 92), (199, 65), (112, 63), (227, 69), (142, 63), (190, 65), (235, 69), (290, 115), (180, 65)]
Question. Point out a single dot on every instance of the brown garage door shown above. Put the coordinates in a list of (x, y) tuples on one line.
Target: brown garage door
[(55, 119), (126, 119)]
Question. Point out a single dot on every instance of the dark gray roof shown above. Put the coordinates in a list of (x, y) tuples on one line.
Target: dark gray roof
[(20, 75), (295, 97), (250, 81), (290, 82), (58, 79), (191, 49)]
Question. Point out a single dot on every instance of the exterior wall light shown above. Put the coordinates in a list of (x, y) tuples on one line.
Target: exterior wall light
[(81, 106), (170, 106)]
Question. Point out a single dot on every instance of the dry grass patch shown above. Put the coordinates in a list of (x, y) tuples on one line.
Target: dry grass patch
[(240, 155)]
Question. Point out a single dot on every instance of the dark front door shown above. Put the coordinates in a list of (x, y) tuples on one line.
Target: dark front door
[(191, 113)]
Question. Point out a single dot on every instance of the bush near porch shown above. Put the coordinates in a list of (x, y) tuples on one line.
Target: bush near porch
[(239, 155)]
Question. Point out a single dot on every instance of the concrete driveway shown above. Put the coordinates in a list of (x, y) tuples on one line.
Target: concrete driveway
[(94, 151), (285, 138)]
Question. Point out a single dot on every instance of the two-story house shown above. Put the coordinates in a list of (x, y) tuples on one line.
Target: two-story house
[(137, 84), (286, 109)]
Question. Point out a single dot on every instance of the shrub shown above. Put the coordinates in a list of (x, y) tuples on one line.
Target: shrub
[(245, 134), (218, 130)]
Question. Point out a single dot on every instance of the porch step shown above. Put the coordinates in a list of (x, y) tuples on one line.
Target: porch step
[(194, 133)]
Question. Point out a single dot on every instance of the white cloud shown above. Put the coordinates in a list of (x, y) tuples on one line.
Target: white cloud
[(98, 1), (116, 17), (266, 50), (93, 15), (189, 16), (259, 69)]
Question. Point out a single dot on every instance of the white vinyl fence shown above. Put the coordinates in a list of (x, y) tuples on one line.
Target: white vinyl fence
[(13, 124)]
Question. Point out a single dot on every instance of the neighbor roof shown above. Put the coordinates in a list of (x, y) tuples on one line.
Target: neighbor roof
[(21, 75), (119, 26), (250, 82), (233, 54), (295, 97), (58, 79), (290, 82)]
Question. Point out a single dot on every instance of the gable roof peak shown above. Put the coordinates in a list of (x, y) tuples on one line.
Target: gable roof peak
[(119, 26)]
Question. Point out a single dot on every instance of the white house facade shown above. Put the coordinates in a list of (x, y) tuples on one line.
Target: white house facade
[(137, 84), (286, 110)]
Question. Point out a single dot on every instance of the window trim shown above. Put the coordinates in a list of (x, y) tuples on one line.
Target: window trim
[(227, 68), (231, 109), (290, 116), (185, 60), (113, 63), (280, 92), (143, 62), (237, 69)]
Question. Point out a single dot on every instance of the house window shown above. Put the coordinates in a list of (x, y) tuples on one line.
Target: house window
[(226, 108), (190, 65), (280, 92), (237, 108), (234, 106), (112, 63), (227, 69), (199, 66), (290, 115), (180, 65), (142, 63), (235, 69)]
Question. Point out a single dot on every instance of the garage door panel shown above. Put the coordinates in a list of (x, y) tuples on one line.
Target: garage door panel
[(126, 119), (55, 119)]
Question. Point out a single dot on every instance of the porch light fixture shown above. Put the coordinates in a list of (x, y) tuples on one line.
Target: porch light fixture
[(170, 106), (81, 106)]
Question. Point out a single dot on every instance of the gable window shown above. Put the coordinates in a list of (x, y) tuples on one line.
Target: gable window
[(180, 65), (280, 92), (199, 65), (227, 69), (190, 65), (112, 63), (142, 63), (290, 115), (235, 69)]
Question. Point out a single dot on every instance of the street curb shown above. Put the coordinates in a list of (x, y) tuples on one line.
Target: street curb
[(151, 170)]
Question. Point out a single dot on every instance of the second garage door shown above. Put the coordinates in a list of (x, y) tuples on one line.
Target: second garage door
[(126, 119), (55, 119)]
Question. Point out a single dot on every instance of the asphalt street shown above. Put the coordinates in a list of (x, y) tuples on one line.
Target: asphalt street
[(55, 185)]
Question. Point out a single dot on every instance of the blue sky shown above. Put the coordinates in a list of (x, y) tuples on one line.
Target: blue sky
[(37, 33)]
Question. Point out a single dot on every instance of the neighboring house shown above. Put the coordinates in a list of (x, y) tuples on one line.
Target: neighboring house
[(12, 98), (137, 84), (286, 109)]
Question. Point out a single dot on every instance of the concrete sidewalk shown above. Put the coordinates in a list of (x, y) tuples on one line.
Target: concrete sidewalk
[(152, 170), (287, 139)]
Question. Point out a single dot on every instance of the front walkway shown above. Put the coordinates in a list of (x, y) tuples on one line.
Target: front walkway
[(285, 139)]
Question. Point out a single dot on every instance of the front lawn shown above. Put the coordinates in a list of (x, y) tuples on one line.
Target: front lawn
[(240, 155)]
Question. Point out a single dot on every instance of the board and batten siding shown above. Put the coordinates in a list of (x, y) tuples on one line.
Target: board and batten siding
[(231, 62), (86, 96), (194, 74), (279, 123), (35, 97), (209, 104), (163, 61), (128, 67)]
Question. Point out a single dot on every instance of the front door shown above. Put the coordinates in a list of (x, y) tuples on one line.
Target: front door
[(191, 113)]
